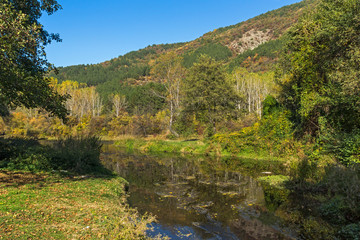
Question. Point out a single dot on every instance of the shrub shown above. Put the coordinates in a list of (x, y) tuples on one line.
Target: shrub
[(333, 210), (270, 106), (348, 149), (331, 194), (79, 154), (76, 154), (5, 150), (148, 125), (345, 182), (350, 231), (272, 134), (238, 141), (30, 162), (120, 125)]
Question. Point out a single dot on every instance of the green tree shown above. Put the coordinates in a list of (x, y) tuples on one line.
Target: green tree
[(320, 68), (208, 93), (23, 59), (34, 9)]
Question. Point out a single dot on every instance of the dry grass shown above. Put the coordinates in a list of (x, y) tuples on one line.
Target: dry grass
[(39, 206)]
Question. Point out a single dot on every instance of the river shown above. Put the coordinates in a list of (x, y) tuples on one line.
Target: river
[(198, 197)]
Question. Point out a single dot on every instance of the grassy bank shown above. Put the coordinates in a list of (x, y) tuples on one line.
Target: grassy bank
[(44, 206), (318, 196), (169, 146), (62, 191), (190, 147)]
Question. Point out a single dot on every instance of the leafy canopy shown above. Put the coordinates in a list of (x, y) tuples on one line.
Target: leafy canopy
[(320, 67), (23, 59), (208, 92)]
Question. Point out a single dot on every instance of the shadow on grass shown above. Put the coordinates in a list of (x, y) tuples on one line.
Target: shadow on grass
[(73, 157), (12, 178)]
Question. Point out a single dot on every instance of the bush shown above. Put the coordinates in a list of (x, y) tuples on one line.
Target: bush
[(345, 182), (236, 142), (75, 154), (15, 146), (333, 210), (120, 125), (79, 154), (351, 231), (30, 162), (147, 124), (347, 150), (186, 124), (5, 150), (272, 134)]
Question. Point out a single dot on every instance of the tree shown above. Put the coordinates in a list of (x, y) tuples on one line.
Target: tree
[(83, 101), (208, 93), (33, 10), (320, 68), (23, 60), (119, 103), (253, 88), (169, 71)]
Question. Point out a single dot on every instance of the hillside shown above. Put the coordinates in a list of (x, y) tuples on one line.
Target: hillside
[(253, 44)]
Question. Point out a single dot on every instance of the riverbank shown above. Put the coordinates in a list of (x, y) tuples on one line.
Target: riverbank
[(48, 206), (191, 147), (62, 191), (313, 193)]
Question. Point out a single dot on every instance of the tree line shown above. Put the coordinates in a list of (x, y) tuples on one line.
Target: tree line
[(206, 93), (316, 81)]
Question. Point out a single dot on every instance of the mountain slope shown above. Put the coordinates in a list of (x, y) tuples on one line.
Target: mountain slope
[(254, 42)]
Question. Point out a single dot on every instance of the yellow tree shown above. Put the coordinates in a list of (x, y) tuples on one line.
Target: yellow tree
[(253, 88), (169, 71), (119, 103)]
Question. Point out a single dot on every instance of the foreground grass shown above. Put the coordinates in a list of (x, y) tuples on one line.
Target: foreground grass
[(44, 206)]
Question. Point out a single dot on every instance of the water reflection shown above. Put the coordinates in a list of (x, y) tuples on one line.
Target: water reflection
[(195, 198)]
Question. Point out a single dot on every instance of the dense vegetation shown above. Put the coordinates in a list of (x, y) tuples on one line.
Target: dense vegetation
[(320, 80), (306, 110), (214, 50), (133, 65)]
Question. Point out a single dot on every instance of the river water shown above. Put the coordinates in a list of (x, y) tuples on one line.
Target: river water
[(198, 197)]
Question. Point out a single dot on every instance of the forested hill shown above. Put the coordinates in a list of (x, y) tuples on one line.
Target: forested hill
[(252, 44)]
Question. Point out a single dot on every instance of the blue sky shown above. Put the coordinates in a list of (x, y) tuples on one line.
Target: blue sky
[(94, 31)]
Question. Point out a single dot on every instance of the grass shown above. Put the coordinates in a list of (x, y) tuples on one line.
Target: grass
[(169, 146), (191, 147), (47, 206)]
